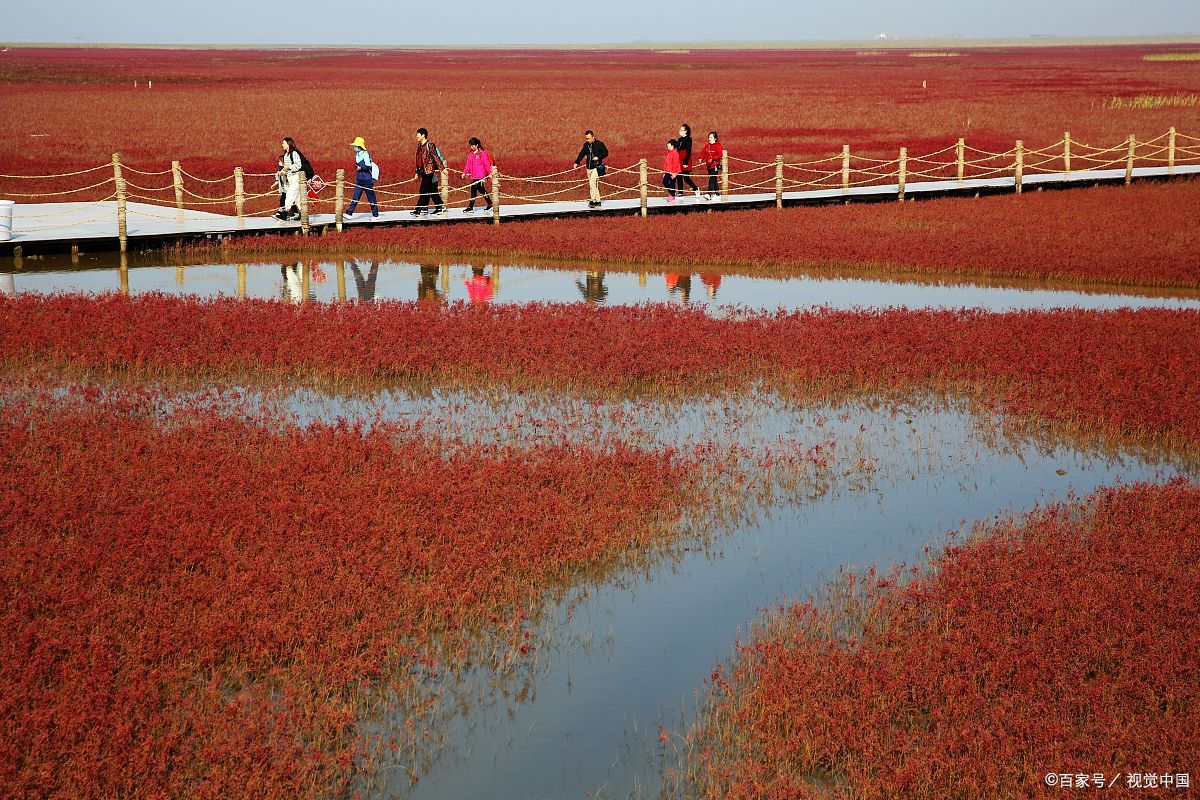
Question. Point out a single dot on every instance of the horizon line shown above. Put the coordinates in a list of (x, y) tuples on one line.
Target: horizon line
[(899, 41)]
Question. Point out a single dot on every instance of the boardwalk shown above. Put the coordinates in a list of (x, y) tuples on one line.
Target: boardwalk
[(51, 226)]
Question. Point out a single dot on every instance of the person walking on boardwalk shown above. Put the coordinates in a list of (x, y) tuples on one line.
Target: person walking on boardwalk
[(592, 156), (477, 170), (684, 146), (429, 165), (289, 180), (712, 156), (672, 165), (365, 173)]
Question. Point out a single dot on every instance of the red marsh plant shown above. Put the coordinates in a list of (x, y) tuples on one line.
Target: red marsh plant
[(198, 605), (1059, 643), (1132, 376), (82, 104)]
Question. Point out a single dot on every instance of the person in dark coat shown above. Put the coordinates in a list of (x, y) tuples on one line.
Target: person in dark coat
[(684, 145), (592, 156)]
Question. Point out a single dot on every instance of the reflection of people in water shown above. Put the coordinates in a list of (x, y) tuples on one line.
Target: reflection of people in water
[(593, 288), (479, 286), (712, 282), (366, 286), (681, 285), (293, 284), (427, 287)]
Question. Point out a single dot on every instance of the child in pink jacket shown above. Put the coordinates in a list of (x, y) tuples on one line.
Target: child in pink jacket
[(477, 170)]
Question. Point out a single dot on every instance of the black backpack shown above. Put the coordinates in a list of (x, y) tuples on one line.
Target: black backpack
[(306, 167)]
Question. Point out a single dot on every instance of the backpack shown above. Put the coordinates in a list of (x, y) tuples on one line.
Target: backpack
[(306, 167)]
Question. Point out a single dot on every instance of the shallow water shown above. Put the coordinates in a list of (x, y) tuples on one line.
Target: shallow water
[(366, 280), (617, 660)]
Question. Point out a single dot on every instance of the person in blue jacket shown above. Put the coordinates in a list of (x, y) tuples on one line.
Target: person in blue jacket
[(364, 178)]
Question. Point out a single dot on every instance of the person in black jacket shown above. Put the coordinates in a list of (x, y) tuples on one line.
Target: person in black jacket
[(684, 146), (592, 155)]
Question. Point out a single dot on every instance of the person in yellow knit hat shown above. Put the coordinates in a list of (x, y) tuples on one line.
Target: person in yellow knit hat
[(366, 172)]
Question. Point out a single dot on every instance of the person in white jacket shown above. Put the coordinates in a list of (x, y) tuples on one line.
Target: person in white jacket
[(289, 180)]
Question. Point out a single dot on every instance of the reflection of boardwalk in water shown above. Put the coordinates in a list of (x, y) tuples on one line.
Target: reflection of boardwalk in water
[(707, 290)]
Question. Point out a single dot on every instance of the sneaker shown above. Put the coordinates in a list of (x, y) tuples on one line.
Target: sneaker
[(592, 204), (295, 218), (375, 215), (438, 211), (489, 207), (279, 215), (348, 215), (416, 213), (697, 194), (468, 210), (597, 204), (670, 198)]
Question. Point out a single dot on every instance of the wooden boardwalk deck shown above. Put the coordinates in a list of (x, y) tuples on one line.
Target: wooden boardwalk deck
[(55, 226)]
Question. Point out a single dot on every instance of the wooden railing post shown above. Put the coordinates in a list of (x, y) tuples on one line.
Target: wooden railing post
[(495, 195), (177, 181), (960, 150), (1171, 150), (643, 188), (303, 204), (1129, 160), (1019, 166), (239, 192), (339, 199), (724, 173), (119, 184), (1067, 154), (444, 186), (845, 169), (779, 181), (902, 173)]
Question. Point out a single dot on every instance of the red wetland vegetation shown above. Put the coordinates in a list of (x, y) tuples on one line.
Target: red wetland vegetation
[(199, 605), (1057, 643), (214, 110), (1091, 372)]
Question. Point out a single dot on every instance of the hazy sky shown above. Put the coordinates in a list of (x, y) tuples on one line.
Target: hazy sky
[(477, 22)]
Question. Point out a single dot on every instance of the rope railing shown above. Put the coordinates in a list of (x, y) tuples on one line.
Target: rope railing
[(849, 169)]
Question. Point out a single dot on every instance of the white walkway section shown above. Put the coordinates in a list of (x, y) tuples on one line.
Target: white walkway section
[(97, 222)]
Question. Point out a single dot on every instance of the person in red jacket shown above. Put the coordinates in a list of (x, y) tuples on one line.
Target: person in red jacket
[(672, 166), (712, 155)]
